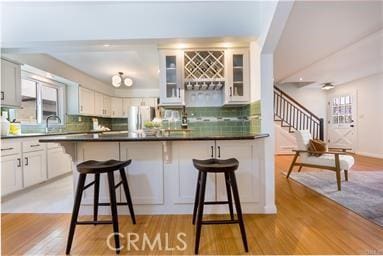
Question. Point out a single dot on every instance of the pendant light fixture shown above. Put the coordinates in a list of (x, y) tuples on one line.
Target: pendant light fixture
[(327, 86), (117, 80)]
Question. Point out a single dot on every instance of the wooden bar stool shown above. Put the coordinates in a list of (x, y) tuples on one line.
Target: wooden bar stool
[(227, 167), (96, 168)]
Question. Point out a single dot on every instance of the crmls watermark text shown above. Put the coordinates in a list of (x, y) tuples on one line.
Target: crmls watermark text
[(137, 242)]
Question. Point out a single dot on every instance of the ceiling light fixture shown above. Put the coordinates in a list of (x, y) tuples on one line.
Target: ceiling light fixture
[(327, 86), (107, 45), (118, 78), (300, 79)]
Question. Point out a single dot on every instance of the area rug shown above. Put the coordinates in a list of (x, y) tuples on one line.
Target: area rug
[(363, 193)]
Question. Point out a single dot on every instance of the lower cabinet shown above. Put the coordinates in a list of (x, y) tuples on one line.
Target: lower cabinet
[(58, 162), (183, 153), (11, 174), (146, 172), (247, 175), (34, 168)]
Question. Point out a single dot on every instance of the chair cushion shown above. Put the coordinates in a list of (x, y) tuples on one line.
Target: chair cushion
[(346, 161), (317, 146)]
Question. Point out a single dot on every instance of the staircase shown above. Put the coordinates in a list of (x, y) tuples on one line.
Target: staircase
[(294, 116)]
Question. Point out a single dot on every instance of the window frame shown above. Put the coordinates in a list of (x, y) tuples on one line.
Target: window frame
[(61, 96)]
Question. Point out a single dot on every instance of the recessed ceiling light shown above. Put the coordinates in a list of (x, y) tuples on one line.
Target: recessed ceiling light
[(107, 45), (300, 79)]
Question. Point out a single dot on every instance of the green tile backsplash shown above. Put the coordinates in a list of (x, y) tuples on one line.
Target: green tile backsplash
[(202, 119)]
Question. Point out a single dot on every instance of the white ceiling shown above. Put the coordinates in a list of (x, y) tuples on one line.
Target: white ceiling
[(140, 63), (315, 33)]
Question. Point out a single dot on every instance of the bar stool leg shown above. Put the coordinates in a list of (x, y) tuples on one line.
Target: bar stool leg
[(96, 196), (239, 210), (113, 206), (196, 197), (201, 201), (76, 208), (127, 195), (229, 198)]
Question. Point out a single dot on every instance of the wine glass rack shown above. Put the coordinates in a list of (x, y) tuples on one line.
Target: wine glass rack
[(204, 66)]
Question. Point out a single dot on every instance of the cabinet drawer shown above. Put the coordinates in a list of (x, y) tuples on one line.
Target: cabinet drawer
[(33, 145), (10, 148)]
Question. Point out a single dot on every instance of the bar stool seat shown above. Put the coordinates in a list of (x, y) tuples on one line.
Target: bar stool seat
[(228, 168), (96, 168), (92, 166), (216, 165)]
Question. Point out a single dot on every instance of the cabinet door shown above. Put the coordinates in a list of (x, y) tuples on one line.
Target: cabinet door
[(58, 162), (145, 173), (150, 102), (116, 107), (247, 175), (186, 174), (135, 101), (125, 106), (107, 105), (11, 174), (86, 101), (171, 78), (98, 104), (101, 152), (34, 169), (238, 81), (10, 84)]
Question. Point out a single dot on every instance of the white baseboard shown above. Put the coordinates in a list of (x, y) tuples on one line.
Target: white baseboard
[(370, 154)]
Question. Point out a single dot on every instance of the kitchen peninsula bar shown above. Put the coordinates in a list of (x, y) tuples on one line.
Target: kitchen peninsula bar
[(162, 177)]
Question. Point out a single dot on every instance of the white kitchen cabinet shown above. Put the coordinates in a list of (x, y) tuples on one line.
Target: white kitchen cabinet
[(171, 78), (10, 84), (58, 162), (183, 153), (247, 175), (145, 173), (34, 167), (11, 174), (86, 101), (117, 107), (126, 103), (98, 104), (237, 87), (107, 105), (150, 102)]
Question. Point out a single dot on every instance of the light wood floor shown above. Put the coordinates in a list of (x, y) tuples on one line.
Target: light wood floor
[(306, 223)]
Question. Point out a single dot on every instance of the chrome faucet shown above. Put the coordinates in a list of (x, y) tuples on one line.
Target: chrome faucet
[(48, 117)]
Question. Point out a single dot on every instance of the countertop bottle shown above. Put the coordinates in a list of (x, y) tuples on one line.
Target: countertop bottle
[(184, 121)]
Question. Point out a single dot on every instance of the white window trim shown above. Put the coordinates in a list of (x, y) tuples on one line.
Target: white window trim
[(61, 98)]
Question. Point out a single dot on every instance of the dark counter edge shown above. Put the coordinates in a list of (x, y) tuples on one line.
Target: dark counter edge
[(116, 139)]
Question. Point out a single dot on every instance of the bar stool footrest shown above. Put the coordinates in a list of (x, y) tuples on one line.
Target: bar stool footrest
[(108, 204), (217, 202), (100, 222), (215, 222)]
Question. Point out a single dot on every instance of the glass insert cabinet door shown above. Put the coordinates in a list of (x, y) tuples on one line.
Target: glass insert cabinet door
[(238, 75), (171, 77)]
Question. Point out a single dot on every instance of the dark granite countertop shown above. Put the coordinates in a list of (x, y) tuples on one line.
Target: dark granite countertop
[(125, 136)]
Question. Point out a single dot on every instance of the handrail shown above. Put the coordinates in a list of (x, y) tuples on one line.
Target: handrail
[(296, 102)]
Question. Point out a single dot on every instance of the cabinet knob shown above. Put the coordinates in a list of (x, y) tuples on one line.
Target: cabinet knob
[(212, 151), (231, 92), (26, 161), (2, 96), (18, 162)]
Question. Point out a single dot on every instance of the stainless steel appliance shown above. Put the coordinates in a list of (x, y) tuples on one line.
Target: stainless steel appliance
[(138, 115)]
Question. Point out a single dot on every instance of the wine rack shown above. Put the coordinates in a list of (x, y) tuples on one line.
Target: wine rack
[(204, 66)]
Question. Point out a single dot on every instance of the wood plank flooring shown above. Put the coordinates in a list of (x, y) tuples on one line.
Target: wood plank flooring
[(306, 223)]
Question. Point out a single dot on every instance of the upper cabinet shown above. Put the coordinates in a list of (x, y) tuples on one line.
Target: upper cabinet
[(10, 84), (117, 107), (171, 78), (86, 101), (237, 89), (102, 105)]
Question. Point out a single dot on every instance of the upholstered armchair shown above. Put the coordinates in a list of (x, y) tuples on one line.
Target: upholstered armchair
[(329, 160)]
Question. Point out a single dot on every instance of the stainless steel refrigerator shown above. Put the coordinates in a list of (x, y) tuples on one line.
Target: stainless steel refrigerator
[(138, 115)]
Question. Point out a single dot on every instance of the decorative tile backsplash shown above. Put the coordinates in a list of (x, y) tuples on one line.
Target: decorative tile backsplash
[(202, 119)]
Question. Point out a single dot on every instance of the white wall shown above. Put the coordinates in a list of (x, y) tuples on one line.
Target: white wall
[(369, 92), (56, 67)]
